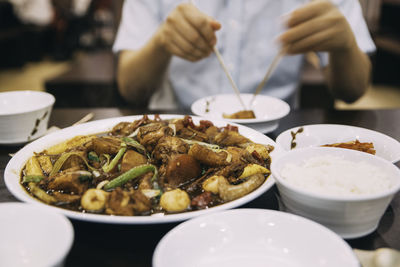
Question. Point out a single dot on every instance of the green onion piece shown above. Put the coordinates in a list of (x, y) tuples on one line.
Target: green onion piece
[(131, 174), (93, 156), (135, 144), (210, 146), (61, 160), (115, 160), (32, 178)]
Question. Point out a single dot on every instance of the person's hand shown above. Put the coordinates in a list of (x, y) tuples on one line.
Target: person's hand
[(317, 26), (188, 33)]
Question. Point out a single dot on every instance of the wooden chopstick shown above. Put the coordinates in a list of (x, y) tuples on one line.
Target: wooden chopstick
[(227, 73), (267, 76)]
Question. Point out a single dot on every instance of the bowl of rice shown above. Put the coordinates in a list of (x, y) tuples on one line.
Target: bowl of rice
[(345, 190)]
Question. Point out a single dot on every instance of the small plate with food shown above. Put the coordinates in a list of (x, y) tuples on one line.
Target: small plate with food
[(342, 136), (143, 169), (263, 115)]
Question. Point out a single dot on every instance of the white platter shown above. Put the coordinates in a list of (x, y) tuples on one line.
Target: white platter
[(268, 110), (15, 165), (252, 237), (322, 134)]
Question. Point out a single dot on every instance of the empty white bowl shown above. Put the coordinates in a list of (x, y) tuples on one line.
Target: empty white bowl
[(268, 110), (252, 237), (24, 115), (33, 236), (309, 193)]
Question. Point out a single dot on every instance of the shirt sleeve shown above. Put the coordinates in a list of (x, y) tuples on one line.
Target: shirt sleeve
[(351, 9), (140, 19)]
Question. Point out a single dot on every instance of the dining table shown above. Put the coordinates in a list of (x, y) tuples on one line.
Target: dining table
[(100, 244)]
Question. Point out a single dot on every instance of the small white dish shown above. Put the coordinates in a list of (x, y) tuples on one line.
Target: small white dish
[(17, 162), (33, 236), (24, 116), (268, 110), (351, 208), (321, 134), (252, 237)]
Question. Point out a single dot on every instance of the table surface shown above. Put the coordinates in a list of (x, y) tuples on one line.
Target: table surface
[(99, 244)]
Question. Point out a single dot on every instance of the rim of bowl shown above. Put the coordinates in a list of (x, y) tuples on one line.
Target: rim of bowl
[(47, 103), (275, 172), (334, 237)]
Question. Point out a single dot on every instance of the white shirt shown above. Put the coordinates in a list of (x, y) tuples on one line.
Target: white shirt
[(247, 42)]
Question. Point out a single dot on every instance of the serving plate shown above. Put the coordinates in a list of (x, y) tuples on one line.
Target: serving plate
[(15, 165), (322, 134), (268, 110), (252, 237)]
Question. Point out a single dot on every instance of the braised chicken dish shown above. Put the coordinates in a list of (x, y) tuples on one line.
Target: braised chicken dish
[(243, 114), (148, 166)]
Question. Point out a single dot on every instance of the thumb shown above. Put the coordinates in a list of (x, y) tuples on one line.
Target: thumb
[(215, 25)]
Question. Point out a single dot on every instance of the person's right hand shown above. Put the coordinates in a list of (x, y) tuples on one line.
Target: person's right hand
[(188, 33)]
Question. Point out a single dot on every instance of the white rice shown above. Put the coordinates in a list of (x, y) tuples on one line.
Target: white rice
[(335, 176)]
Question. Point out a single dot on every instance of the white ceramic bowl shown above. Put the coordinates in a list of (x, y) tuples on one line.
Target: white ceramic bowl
[(349, 215), (321, 134), (24, 115), (268, 110), (252, 237), (33, 236)]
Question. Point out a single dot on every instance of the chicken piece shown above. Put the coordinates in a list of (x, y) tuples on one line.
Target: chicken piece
[(169, 145), (118, 203), (123, 129), (191, 134), (69, 181), (211, 133), (230, 138), (106, 145), (239, 155), (149, 135), (66, 198), (180, 169), (140, 202), (208, 157), (74, 161), (132, 159)]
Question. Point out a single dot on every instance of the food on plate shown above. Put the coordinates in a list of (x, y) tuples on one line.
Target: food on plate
[(335, 176), (355, 145), (243, 114), (148, 166)]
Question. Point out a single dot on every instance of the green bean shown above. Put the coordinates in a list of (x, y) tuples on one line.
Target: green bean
[(131, 174), (115, 160)]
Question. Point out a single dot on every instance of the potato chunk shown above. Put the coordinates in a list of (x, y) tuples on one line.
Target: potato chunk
[(175, 200)]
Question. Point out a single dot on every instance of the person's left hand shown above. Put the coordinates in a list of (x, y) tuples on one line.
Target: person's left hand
[(317, 26)]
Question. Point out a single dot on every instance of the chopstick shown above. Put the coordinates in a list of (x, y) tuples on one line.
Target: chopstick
[(227, 73), (267, 76)]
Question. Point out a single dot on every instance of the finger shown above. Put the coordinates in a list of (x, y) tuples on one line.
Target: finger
[(187, 31), (187, 47), (307, 12), (316, 42), (202, 23), (177, 51), (303, 30)]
